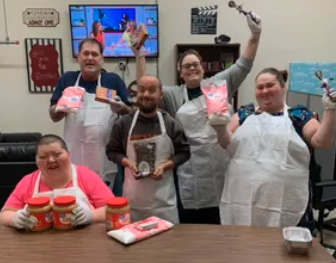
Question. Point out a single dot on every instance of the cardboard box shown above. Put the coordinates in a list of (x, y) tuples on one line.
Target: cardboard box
[(104, 94)]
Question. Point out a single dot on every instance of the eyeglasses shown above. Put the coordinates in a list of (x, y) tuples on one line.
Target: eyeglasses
[(187, 66)]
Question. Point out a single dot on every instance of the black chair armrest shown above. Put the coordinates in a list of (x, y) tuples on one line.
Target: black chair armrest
[(17, 152), (328, 183), (20, 137)]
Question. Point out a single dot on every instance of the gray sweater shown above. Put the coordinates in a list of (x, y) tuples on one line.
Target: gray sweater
[(173, 97), (146, 128)]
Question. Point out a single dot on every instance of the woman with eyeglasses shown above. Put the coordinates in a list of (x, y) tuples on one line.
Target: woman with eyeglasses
[(201, 179)]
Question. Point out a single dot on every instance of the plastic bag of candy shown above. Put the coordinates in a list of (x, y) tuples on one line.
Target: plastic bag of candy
[(71, 100), (140, 230), (216, 96)]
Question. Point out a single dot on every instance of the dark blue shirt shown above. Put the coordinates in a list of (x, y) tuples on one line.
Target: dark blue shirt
[(108, 80), (298, 114)]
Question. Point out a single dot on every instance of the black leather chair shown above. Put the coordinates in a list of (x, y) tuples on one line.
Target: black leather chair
[(321, 203), (17, 159)]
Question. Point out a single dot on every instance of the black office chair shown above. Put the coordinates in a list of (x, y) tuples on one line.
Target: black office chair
[(320, 202)]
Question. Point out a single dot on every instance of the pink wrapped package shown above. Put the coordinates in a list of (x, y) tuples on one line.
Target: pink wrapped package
[(140, 230), (216, 96), (71, 100)]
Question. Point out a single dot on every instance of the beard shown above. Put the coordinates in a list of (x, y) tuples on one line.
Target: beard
[(147, 108)]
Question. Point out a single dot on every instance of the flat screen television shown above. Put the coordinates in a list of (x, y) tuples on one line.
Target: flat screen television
[(114, 26)]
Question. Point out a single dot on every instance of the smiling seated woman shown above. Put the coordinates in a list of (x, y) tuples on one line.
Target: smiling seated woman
[(57, 176)]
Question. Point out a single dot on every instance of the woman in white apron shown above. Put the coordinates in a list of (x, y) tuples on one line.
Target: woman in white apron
[(200, 180), (57, 176), (267, 182)]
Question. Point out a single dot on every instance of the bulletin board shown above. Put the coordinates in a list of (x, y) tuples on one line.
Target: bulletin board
[(44, 63), (303, 80)]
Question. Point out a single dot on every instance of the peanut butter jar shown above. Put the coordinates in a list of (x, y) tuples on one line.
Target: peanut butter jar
[(117, 213), (39, 209), (62, 212)]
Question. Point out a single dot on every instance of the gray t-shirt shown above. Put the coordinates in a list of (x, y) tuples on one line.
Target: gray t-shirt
[(173, 97)]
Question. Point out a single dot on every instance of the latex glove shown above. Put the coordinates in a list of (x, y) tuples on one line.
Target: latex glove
[(116, 104), (82, 214), (137, 52), (158, 173), (329, 101), (21, 220), (254, 27), (219, 119)]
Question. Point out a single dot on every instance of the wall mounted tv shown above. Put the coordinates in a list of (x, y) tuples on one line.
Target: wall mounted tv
[(114, 25)]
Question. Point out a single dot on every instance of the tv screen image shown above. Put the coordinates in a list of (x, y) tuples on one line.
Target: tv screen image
[(114, 26)]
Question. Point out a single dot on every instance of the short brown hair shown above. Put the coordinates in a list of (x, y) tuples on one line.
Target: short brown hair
[(51, 138), (281, 75), (189, 52), (91, 41)]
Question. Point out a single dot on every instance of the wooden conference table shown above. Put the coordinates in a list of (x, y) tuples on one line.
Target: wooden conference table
[(183, 243)]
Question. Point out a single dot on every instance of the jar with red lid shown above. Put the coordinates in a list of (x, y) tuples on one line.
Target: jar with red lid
[(117, 213), (39, 209), (62, 212)]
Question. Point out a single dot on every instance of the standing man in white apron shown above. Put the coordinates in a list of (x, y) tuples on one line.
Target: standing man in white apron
[(150, 144), (87, 132)]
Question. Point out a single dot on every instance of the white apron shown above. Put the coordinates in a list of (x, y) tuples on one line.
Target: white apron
[(201, 178), (147, 196), (73, 191), (267, 180), (87, 134)]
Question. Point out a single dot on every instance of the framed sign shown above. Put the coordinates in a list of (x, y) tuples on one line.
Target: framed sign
[(204, 20), (44, 63), (40, 17)]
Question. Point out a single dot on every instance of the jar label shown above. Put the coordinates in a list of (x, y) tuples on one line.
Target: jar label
[(62, 219), (42, 220), (117, 221)]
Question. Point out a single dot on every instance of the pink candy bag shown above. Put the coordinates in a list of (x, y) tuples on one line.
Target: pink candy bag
[(216, 96), (71, 100), (140, 230)]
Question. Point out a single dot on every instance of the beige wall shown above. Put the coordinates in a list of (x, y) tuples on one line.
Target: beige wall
[(293, 31)]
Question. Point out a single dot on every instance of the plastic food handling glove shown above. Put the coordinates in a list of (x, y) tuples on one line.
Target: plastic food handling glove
[(137, 52), (329, 101), (82, 214), (21, 220), (116, 104), (158, 173), (255, 28)]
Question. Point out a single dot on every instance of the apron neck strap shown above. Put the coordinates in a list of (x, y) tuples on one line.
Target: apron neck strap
[(37, 184), (185, 93), (73, 177), (79, 77), (135, 118), (285, 110), (162, 125)]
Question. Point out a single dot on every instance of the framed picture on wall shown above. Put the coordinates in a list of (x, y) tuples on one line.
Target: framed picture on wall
[(44, 63)]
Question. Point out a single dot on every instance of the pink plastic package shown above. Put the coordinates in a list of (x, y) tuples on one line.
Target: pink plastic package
[(140, 230), (216, 96), (71, 100)]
